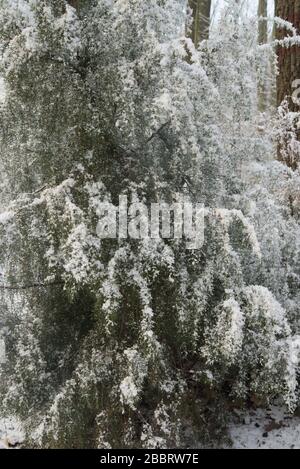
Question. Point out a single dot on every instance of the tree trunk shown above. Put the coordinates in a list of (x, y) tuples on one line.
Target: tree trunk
[(262, 39), (288, 57), (263, 25), (289, 73), (201, 20), (73, 3)]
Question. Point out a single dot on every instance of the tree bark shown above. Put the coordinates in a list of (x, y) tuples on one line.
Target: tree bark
[(73, 3), (262, 39), (263, 25), (289, 70), (288, 57), (201, 20)]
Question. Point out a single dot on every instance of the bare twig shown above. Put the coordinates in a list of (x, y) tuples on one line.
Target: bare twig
[(29, 286), (157, 132)]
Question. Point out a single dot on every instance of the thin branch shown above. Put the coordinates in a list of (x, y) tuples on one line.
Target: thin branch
[(29, 286), (41, 189), (157, 132)]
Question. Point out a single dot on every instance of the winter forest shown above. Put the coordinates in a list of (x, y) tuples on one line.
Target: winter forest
[(149, 224)]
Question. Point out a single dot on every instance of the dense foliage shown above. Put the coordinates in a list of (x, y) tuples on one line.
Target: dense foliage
[(132, 343)]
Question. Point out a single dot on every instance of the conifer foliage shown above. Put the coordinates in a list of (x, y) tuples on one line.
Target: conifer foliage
[(140, 342)]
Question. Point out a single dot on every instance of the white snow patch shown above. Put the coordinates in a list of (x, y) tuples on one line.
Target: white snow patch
[(261, 429), (11, 433)]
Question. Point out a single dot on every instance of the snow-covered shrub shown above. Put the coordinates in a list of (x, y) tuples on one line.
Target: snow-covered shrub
[(251, 344)]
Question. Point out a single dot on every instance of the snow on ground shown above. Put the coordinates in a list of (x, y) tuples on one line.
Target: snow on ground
[(271, 429), (11, 434), (257, 429)]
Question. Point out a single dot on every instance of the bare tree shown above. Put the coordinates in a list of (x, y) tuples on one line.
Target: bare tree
[(73, 3), (201, 20), (262, 39), (262, 26)]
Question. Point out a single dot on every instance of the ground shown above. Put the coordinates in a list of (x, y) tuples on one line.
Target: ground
[(261, 429), (256, 429), (10, 433)]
